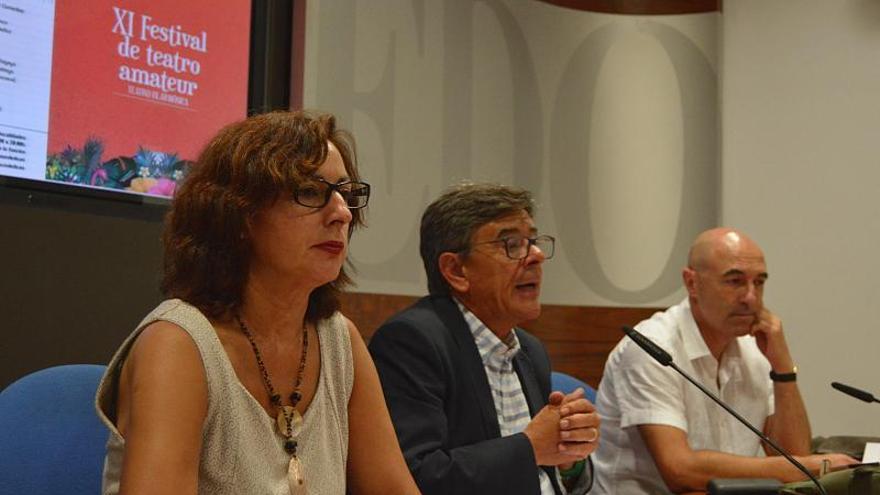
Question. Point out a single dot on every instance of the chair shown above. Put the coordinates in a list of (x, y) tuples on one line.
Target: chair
[(567, 384), (52, 441)]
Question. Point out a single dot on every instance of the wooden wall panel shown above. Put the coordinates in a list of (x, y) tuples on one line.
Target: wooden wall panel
[(578, 338), (368, 311), (641, 7)]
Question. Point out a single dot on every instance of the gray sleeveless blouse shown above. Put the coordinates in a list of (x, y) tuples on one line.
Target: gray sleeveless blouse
[(241, 451)]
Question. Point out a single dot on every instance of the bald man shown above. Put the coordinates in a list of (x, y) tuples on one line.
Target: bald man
[(659, 433)]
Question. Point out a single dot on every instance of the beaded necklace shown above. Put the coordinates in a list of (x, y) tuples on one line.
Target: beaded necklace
[(288, 419)]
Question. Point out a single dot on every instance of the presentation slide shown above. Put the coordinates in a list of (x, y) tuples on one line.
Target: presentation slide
[(25, 72), (118, 94)]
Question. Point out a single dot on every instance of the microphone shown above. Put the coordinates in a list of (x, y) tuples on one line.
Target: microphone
[(663, 357), (854, 392), (648, 346)]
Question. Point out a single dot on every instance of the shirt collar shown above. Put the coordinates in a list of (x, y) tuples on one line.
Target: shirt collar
[(694, 345), (491, 348)]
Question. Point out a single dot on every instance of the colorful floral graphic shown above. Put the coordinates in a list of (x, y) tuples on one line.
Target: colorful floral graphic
[(147, 172)]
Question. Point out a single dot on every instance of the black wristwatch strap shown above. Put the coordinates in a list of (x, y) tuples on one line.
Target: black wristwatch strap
[(784, 377)]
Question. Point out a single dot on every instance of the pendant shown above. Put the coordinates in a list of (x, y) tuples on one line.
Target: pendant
[(289, 422), (295, 479)]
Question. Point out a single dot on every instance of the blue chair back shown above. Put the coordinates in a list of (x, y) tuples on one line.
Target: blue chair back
[(52, 441), (568, 384)]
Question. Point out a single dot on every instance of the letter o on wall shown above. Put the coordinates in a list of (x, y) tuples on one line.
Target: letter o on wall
[(570, 135)]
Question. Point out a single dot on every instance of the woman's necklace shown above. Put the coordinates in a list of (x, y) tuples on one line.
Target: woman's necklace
[(288, 419)]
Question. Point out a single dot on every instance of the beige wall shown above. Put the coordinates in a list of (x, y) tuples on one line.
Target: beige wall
[(800, 106)]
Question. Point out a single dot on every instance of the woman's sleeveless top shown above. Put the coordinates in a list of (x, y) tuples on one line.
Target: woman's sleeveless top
[(241, 451)]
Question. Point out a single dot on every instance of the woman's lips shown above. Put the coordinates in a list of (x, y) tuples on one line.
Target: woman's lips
[(332, 247)]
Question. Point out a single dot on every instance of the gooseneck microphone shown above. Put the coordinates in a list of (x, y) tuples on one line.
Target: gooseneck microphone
[(854, 392), (653, 349), (663, 357)]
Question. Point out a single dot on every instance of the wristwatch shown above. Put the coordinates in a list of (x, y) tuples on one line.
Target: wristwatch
[(784, 377)]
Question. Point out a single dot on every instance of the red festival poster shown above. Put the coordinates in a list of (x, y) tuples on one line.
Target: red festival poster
[(138, 86)]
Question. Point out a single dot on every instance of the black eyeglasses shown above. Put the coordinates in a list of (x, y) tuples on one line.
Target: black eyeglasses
[(518, 248), (316, 193)]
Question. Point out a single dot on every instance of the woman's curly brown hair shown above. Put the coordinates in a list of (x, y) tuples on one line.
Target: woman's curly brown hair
[(245, 168)]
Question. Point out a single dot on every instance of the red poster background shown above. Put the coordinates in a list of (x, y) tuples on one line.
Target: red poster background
[(89, 100)]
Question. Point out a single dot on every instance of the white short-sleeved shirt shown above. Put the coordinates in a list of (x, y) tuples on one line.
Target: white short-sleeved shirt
[(637, 390)]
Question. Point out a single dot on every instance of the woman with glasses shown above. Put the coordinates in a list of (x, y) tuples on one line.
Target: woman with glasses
[(248, 379)]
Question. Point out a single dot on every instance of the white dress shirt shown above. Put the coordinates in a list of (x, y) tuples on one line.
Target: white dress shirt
[(636, 390)]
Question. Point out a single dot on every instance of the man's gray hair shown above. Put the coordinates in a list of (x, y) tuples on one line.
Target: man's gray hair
[(449, 223)]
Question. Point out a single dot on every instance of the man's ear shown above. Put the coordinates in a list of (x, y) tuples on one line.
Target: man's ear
[(453, 271), (689, 276)]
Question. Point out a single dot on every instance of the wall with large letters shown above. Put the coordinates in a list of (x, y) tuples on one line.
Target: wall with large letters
[(635, 132), (610, 120)]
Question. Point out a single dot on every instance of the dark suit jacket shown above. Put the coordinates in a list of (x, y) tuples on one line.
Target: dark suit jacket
[(442, 408)]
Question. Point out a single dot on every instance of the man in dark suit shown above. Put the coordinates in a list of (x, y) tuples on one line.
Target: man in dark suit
[(469, 393)]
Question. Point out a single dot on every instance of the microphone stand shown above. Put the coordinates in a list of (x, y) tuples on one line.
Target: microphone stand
[(756, 431), (665, 359)]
